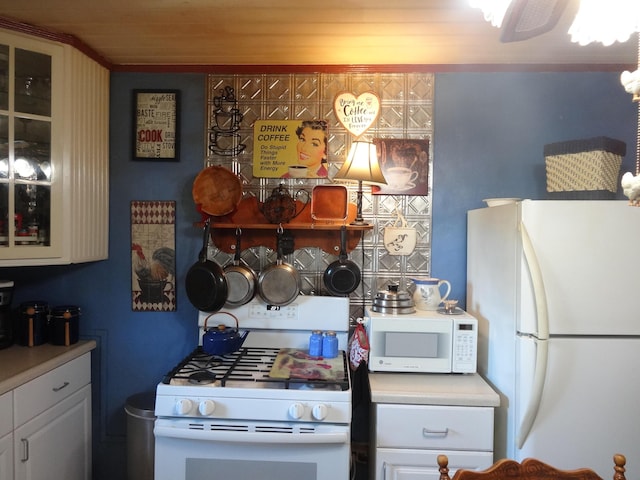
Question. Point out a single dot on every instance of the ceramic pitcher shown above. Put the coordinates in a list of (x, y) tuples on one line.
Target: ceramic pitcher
[(427, 295)]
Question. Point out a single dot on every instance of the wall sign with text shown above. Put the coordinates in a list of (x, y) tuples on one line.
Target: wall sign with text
[(156, 120), (356, 114), (290, 148)]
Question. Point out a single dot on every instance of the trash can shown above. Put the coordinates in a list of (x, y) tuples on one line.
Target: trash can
[(140, 410)]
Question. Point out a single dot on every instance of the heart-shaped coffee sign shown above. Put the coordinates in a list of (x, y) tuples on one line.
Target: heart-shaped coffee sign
[(356, 114)]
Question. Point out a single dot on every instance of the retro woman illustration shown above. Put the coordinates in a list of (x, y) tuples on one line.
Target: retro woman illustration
[(311, 151)]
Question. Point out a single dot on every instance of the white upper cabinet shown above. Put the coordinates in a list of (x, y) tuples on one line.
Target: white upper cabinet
[(54, 155)]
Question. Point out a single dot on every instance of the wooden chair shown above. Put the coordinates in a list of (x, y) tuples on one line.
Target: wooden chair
[(529, 469)]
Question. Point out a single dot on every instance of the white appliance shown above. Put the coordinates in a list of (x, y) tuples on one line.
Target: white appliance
[(225, 417), (422, 342), (554, 286)]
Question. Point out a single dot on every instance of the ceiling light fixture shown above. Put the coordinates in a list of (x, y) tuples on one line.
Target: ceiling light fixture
[(605, 22), (521, 19)]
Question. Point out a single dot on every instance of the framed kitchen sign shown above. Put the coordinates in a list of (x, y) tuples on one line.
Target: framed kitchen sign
[(153, 256), (405, 166), (156, 122)]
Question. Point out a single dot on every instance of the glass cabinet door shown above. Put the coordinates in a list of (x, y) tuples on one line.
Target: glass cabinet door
[(26, 174)]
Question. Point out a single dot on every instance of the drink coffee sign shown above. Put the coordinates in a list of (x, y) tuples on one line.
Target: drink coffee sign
[(356, 114), (274, 147)]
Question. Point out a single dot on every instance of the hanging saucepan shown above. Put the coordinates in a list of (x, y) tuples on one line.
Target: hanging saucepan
[(342, 276), (279, 283), (206, 284), (241, 279)]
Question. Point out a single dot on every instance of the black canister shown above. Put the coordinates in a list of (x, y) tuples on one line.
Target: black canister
[(64, 325), (33, 323), (6, 314)]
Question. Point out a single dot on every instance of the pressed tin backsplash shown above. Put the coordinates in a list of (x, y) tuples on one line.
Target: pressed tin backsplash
[(406, 112)]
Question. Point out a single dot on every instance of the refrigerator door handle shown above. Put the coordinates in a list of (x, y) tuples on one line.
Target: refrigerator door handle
[(539, 294), (542, 347), (542, 354)]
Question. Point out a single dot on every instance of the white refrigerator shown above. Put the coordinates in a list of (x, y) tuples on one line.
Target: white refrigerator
[(555, 286)]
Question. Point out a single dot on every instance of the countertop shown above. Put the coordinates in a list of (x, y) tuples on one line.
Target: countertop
[(19, 365), (469, 390)]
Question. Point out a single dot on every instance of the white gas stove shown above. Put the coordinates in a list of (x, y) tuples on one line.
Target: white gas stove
[(214, 411)]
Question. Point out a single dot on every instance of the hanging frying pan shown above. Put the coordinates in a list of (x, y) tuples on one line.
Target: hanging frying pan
[(279, 283), (241, 279), (206, 284), (342, 276)]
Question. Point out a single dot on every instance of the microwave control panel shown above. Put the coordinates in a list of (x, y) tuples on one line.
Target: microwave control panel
[(465, 345)]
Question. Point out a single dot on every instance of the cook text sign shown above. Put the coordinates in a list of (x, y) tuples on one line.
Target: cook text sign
[(156, 124)]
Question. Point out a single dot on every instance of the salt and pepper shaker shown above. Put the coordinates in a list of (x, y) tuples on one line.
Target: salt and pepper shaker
[(315, 343), (330, 345)]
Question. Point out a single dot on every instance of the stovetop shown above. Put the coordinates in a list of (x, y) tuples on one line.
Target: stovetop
[(249, 367), (238, 386)]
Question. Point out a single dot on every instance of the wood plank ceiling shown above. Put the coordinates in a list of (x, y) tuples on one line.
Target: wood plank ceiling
[(293, 32)]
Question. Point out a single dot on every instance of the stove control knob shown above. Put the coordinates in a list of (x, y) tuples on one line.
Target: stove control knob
[(296, 410), (319, 411), (183, 406), (206, 407)]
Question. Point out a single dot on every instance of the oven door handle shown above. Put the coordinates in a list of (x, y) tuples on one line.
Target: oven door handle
[(251, 437)]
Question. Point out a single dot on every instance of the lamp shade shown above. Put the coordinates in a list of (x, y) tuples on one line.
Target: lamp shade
[(362, 164)]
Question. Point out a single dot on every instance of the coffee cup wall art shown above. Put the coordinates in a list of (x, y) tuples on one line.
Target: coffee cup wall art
[(405, 166)]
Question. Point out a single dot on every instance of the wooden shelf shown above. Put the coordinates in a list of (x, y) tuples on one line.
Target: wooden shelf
[(306, 232)]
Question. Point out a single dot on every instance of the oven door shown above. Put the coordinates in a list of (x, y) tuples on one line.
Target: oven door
[(189, 449)]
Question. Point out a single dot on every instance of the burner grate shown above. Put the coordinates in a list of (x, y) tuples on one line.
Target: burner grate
[(248, 364)]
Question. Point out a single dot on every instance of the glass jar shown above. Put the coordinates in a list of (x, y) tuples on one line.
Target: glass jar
[(330, 345), (315, 343)]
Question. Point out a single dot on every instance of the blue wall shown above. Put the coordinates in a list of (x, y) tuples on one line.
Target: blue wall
[(489, 133)]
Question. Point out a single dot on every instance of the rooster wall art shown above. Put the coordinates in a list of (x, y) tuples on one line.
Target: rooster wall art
[(153, 273)]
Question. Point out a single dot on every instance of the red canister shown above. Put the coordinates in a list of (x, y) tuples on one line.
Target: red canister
[(64, 325), (32, 323)]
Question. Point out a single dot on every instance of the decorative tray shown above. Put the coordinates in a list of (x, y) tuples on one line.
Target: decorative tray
[(297, 363), (329, 203)]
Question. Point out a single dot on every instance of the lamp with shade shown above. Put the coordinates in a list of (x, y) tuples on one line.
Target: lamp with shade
[(361, 166)]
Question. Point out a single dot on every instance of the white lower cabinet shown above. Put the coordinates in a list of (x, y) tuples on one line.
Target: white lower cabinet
[(408, 439), (52, 421), (6, 436)]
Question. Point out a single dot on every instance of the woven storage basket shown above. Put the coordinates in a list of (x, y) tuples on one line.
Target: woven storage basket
[(584, 169)]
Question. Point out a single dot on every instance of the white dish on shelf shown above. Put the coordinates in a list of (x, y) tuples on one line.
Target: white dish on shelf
[(494, 202)]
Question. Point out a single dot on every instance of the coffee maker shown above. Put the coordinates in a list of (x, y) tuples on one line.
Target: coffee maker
[(6, 315)]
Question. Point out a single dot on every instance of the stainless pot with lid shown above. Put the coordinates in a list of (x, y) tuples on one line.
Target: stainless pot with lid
[(393, 301)]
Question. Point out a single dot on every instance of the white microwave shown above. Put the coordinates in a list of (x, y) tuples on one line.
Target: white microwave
[(422, 342)]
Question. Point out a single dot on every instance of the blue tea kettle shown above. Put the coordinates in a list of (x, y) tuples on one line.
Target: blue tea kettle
[(222, 340)]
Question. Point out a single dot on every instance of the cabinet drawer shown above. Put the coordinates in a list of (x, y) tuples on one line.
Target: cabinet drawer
[(395, 464), (434, 427), (6, 413), (36, 396)]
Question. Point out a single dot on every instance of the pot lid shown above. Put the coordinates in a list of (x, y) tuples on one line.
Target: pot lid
[(394, 311), (392, 293)]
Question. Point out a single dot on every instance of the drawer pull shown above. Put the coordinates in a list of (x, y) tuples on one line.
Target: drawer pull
[(25, 450), (388, 470), (57, 389), (426, 432)]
